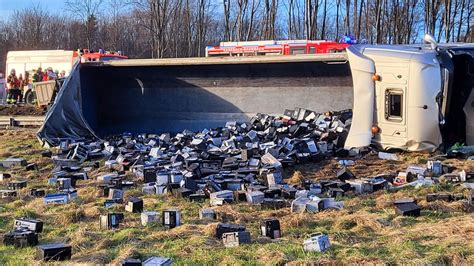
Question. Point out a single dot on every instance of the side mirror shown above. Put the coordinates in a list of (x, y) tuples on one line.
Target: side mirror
[(431, 40)]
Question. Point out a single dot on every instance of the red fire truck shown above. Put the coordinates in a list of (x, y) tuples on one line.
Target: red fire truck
[(101, 55), (288, 47)]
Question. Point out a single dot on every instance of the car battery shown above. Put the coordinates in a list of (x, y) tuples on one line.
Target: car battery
[(240, 195), (162, 189), (64, 183), (162, 178), (226, 195), (335, 192), (110, 203), (288, 192), (270, 228), (158, 261), (441, 196), (17, 184), (149, 174), (299, 204), (149, 189), (273, 204), (175, 178), (7, 193), (115, 194), (21, 237), (228, 228), (107, 178), (272, 193), (34, 192), (182, 192), (4, 176), (148, 217), (171, 218), (110, 220), (317, 242), (197, 197), (54, 251), (233, 184), (255, 197), (315, 205), (407, 207), (130, 262), (32, 224), (344, 174), (207, 214), (435, 167), (234, 239), (134, 204), (61, 198)]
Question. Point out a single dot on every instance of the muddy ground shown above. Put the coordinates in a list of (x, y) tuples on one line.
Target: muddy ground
[(17, 110), (367, 230)]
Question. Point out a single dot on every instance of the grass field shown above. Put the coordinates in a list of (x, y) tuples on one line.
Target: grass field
[(367, 230)]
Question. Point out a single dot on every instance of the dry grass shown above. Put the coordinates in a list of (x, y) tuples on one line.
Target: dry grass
[(366, 231)]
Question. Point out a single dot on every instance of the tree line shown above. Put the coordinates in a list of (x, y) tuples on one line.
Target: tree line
[(183, 28)]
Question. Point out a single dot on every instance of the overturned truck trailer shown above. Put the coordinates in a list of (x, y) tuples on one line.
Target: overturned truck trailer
[(405, 97)]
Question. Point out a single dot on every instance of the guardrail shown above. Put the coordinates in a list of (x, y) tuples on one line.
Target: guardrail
[(21, 121)]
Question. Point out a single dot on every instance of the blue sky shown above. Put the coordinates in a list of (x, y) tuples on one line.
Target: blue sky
[(8, 6)]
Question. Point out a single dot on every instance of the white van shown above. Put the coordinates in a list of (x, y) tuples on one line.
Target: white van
[(23, 61)]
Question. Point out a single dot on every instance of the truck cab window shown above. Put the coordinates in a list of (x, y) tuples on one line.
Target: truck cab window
[(393, 105), (312, 50)]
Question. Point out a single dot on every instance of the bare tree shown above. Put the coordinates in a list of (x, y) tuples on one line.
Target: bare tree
[(87, 11)]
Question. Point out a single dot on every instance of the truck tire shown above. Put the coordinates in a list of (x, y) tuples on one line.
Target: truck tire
[(30, 97)]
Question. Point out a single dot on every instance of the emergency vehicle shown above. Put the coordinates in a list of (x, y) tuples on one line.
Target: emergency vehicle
[(286, 47)]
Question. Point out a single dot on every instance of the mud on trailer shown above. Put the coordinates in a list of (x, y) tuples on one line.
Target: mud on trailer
[(404, 97)]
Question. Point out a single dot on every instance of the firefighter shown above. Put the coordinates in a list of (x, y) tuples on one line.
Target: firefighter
[(38, 75), (45, 76), (14, 87), (62, 74), (50, 74)]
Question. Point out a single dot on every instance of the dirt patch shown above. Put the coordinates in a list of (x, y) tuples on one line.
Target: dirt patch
[(21, 110)]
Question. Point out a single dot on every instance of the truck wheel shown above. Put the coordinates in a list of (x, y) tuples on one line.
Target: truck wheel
[(30, 97)]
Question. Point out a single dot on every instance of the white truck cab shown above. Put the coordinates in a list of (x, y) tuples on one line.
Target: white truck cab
[(408, 97)]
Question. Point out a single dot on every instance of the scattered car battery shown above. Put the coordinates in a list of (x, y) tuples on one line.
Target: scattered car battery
[(171, 218), (148, 217), (234, 239), (435, 167), (17, 184), (438, 196), (407, 207), (255, 197), (228, 228), (130, 262), (317, 242), (273, 204), (7, 193), (207, 214), (32, 224), (35, 192), (270, 228), (53, 251), (64, 183), (157, 261), (13, 162), (134, 204), (21, 237), (110, 220), (115, 194)]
